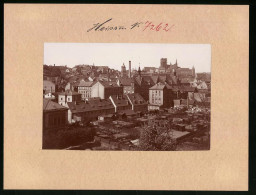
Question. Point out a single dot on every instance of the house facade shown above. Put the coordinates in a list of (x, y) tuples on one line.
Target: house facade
[(85, 88), (68, 96), (104, 89), (54, 115), (160, 96), (127, 84), (48, 86)]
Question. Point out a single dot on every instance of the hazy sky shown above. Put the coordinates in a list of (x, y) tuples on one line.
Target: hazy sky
[(115, 54)]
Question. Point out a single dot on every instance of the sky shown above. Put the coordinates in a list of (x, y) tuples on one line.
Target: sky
[(115, 54)]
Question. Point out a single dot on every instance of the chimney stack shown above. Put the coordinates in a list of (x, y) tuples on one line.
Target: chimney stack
[(130, 69)]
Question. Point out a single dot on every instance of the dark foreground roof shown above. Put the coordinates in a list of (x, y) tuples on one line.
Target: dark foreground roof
[(49, 105)]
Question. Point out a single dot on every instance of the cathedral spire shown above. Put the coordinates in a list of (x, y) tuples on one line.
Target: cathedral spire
[(139, 70)]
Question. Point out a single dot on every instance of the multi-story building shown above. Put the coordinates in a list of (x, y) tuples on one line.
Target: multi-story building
[(48, 87), (127, 84), (142, 85), (68, 96), (84, 88), (160, 96), (186, 72), (104, 89)]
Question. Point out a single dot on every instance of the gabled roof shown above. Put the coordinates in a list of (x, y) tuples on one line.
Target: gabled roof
[(160, 86), (138, 80), (125, 81), (145, 79), (90, 105), (155, 79), (107, 84), (136, 99), (172, 80), (198, 97), (84, 83), (49, 105), (69, 92), (186, 80), (148, 80), (204, 77), (123, 101), (175, 88)]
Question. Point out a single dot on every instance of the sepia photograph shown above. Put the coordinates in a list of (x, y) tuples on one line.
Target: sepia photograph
[(126, 96)]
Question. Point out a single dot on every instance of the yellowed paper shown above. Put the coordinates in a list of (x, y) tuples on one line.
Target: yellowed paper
[(26, 166)]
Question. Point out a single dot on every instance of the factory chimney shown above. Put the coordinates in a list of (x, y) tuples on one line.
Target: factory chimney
[(130, 69)]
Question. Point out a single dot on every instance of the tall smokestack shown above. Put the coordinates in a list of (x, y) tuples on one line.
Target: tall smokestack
[(130, 69)]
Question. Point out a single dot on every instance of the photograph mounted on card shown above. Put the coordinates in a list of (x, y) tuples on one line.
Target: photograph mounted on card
[(126, 97)]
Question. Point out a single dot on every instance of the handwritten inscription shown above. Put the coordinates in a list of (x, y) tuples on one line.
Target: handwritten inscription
[(106, 26), (161, 26)]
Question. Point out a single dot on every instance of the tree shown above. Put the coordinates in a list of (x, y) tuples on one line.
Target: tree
[(157, 139), (203, 100)]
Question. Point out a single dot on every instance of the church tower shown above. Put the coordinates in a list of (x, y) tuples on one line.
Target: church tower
[(139, 71), (123, 70)]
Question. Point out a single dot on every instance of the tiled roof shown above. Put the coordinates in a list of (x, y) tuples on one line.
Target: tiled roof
[(198, 97), (148, 80), (83, 83), (120, 101), (204, 77), (107, 84), (186, 80), (155, 78), (49, 105), (160, 86), (125, 81), (91, 105), (136, 99), (152, 80)]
